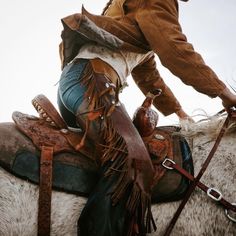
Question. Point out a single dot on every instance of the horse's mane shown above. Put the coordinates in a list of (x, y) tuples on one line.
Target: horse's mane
[(209, 126)]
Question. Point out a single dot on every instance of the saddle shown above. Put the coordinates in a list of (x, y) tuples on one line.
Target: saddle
[(60, 162), (76, 170)]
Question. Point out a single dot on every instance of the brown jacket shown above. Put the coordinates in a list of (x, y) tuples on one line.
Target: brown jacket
[(141, 26)]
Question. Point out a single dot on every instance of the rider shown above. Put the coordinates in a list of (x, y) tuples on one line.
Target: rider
[(98, 53)]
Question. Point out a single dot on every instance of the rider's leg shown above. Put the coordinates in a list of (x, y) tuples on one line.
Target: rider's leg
[(121, 201), (71, 95), (70, 91), (67, 115)]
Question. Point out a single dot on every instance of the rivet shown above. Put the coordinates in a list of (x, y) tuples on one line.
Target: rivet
[(64, 131), (118, 104), (159, 137)]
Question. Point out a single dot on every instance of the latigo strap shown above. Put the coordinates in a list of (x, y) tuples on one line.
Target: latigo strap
[(45, 191)]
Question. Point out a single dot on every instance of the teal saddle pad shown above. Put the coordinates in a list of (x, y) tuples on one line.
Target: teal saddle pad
[(77, 179), (81, 178)]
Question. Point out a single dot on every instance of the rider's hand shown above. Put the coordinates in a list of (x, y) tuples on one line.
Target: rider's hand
[(228, 98), (183, 115)]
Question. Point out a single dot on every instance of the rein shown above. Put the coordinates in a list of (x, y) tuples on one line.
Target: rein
[(213, 193)]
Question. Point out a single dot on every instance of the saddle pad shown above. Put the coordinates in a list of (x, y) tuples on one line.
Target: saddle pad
[(71, 173)]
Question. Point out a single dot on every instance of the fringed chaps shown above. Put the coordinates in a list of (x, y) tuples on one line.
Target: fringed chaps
[(121, 203)]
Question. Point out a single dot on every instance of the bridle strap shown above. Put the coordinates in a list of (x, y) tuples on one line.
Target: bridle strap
[(216, 195), (45, 191), (197, 179)]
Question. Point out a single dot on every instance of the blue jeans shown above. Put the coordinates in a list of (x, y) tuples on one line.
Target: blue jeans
[(71, 91)]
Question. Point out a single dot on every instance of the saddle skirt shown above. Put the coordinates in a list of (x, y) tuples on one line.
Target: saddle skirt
[(76, 171), (43, 134)]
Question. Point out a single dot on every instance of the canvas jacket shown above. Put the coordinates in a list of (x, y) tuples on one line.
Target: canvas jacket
[(142, 26)]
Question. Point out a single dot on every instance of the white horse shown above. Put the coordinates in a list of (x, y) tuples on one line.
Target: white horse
[(201, 216)]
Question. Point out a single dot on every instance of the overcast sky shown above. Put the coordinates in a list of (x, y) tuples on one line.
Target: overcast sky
[(29, 59)]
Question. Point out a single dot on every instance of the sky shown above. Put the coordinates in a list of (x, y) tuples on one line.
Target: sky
[(30, 65)]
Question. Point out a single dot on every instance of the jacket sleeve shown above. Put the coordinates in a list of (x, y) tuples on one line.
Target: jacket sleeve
[(147, 79), (160, 26)]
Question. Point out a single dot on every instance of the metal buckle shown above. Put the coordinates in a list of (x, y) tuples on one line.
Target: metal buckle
[(230, 217), (233, 112), (209, 194), (166, 166)]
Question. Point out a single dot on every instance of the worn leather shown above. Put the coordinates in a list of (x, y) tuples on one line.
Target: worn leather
[(122, 152), (132, 165), (76, 173), (159, 142), (43, 134), (145, 119), (45, 191), (51, 115), (100, 67), (130, 26), (162, 145)]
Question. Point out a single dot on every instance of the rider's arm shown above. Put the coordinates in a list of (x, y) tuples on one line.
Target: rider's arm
[(228, 98), (148, 79), (160, 26)]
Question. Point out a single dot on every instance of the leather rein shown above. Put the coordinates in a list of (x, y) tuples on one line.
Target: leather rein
[(195, 181)]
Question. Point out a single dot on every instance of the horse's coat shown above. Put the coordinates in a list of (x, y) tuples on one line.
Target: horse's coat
[(201, 216)]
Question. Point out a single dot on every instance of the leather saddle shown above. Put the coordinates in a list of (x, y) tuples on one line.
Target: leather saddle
[(76, 170)]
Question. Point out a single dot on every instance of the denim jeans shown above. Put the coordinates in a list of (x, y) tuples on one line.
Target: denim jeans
[(70, 90)]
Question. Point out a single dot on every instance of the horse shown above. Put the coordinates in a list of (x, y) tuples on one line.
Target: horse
[(201, 215)]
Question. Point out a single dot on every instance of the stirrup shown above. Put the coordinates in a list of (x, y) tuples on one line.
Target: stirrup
[(48, 112)]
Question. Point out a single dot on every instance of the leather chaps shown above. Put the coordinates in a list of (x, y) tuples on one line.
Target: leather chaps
[(120, 204)]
